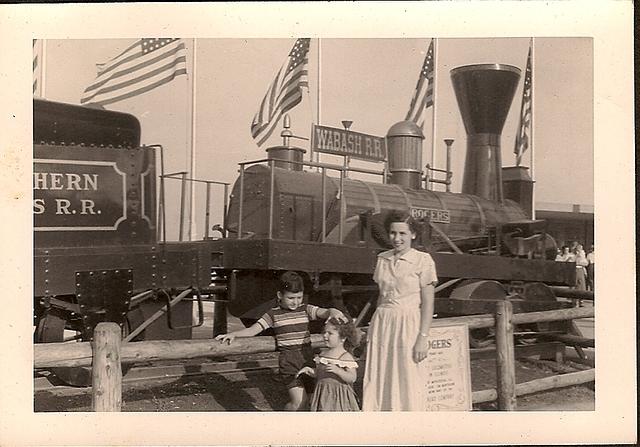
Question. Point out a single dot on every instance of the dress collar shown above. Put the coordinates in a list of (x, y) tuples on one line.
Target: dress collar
[(410, 256)]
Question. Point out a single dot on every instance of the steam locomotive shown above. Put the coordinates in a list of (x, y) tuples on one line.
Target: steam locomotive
[(100, 254)]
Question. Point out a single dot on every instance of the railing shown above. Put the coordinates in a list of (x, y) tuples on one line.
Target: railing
[(182, 176), (106, 354), (323, 167)]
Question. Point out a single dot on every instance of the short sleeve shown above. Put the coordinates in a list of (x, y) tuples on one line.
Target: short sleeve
[(427, 271), (312, 311), (265, 321), (376, 272)]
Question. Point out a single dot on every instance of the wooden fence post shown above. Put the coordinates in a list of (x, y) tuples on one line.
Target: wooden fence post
[(107, 370), (505, 356)]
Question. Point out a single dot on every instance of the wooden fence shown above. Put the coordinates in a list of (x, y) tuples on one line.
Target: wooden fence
[(107, 353)]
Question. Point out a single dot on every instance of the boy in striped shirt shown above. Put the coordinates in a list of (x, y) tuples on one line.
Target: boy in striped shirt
[(290, 323)]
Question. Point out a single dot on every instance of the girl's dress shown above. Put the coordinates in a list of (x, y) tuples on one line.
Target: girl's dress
[(392, 380), (331, 392)]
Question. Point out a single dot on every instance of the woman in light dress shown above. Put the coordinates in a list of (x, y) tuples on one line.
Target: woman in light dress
[(395, 375), (581, 267)]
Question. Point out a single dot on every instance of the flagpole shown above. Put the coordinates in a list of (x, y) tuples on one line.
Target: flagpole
[(433, 117), (532, 162), (192, 153), (318, 104), (42, 68)]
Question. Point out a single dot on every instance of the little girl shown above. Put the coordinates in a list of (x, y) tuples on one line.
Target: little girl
[(335, 370)]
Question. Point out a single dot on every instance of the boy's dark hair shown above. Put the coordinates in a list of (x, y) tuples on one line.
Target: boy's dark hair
[(349, 332), (290, 282), (401, 216)]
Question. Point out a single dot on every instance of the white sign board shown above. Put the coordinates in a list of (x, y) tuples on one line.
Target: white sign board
[(449, 369)]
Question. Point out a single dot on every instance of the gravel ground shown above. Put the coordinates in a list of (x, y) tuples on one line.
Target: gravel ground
[(260, 391)]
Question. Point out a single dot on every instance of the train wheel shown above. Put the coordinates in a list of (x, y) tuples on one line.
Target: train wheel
[(480, 290), (536, 291), (51, 328), (481, 338)]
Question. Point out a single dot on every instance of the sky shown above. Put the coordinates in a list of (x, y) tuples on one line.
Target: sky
[(369, 81)]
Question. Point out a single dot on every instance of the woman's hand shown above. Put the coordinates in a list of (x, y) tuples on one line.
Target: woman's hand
[(226, 337), (420, 349)]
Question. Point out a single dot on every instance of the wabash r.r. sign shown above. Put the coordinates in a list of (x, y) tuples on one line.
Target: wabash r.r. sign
[(331, 140)]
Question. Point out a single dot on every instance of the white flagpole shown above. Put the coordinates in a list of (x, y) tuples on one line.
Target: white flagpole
[(192, 138), (319, 100), (433, 119), (531, 143), (43, 68)]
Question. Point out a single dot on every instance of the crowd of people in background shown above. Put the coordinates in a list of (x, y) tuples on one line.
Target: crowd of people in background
[(585, 264)]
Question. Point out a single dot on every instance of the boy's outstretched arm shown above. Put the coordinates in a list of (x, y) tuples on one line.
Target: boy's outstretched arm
[(332, 312), (250, 331)]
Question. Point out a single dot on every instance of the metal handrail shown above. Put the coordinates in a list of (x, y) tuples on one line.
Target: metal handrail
[(344, 169), (182, 176), (195, 180), (314, 164)]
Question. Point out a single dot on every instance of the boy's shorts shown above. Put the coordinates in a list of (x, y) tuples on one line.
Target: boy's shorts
[(291, 361)]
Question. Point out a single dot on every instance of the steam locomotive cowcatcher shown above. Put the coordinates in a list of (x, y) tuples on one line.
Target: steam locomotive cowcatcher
[(100, 253)]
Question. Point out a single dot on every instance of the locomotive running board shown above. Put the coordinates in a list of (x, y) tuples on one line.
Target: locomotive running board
[(273, 254)]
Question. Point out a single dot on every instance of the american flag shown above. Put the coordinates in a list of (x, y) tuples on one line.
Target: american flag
[(522, 138), (284, 93), (423, 96), (145, 65)]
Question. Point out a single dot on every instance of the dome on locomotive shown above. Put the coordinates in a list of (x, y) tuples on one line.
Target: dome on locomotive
[(405, 128), (404, 154)]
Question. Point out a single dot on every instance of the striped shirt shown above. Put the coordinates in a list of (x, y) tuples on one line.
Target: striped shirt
[(291, 327)]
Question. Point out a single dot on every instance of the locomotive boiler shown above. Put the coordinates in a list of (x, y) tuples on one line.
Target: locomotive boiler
[(99, 254)]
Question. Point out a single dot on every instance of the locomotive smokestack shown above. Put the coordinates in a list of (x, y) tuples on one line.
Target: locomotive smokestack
[(484, 93)]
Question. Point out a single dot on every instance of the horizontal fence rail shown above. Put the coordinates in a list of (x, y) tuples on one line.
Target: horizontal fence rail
[(537, 385), (106, 355)]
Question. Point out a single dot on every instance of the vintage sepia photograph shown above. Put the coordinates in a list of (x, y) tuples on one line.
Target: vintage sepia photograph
[(149, 215), (360, 228)]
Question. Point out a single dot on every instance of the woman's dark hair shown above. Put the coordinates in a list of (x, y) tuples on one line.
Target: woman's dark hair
[(401, 216), (290, 282), (349, 332)]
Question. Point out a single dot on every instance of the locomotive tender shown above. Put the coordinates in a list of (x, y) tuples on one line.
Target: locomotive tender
[(100, 257)]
